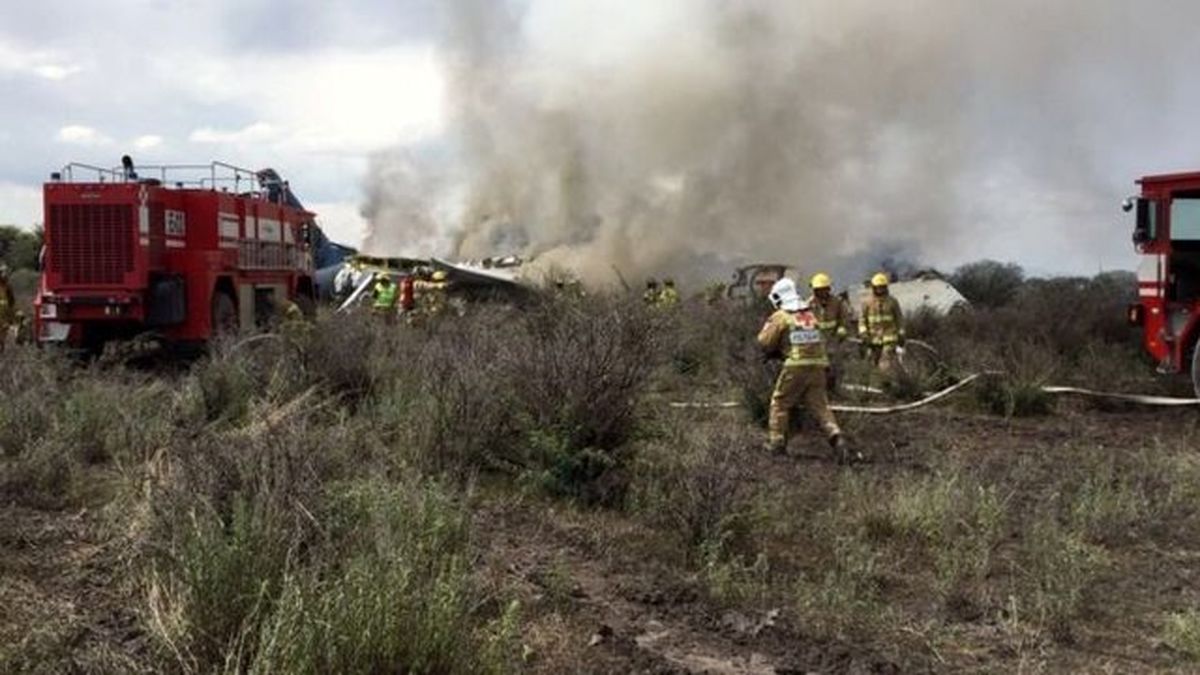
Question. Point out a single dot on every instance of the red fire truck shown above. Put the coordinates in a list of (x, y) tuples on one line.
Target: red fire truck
[(180, 253), (1167, 234)]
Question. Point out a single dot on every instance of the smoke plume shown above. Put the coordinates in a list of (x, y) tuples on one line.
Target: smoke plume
[(685, 136)]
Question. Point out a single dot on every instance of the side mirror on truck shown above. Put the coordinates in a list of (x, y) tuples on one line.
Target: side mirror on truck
[(1146, 228)]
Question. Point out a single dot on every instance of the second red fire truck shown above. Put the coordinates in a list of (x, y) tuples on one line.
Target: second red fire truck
[(1167, 234)]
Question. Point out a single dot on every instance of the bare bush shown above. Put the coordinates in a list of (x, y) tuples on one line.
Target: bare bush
[(988, 283)]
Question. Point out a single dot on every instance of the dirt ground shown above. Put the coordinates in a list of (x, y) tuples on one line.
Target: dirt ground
[(599, 597)]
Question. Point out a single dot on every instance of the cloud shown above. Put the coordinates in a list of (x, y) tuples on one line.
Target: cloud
[(332, 101), (259, 132), (20, 205), (43, 64), (342, 221), (78, 134), (147, 142)]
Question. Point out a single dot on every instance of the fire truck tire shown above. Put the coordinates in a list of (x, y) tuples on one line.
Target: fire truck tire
[(307, 305), (1196, 367), (224, 314)]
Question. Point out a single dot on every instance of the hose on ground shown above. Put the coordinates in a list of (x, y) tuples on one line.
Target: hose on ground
[(1142, 399)]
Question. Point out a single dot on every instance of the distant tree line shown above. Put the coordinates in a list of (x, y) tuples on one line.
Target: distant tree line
[(19, 248)]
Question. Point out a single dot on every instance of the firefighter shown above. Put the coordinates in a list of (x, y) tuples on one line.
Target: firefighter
[(292, 322), (714, 293), (881, 326), (668, 297), (833, 315), (8, 307), (430, 291), (384, 297), (650, 295), (793, 332)]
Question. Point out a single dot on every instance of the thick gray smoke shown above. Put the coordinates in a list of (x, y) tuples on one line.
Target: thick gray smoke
[(684, 136)]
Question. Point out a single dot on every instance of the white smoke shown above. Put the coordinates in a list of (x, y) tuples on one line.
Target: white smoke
[(683, 136)]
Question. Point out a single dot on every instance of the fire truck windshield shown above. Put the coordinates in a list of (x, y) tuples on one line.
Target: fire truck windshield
[(1185, 219)]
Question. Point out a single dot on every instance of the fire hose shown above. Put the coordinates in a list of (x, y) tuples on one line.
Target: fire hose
[(1141, 399), (1161, 401)]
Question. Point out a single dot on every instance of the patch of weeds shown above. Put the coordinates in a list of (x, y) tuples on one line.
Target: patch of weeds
[(42, 477), (1057, 567), (844, 597), (1008, 396), (224, 389), (566, 471), (559, 584), (395, 593), (729, 580), (1108, 505), (1181, 632)]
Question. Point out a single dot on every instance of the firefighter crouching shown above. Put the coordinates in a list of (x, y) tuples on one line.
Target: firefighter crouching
[(881, 327), (793, 331), (8, 307), (833, 316)]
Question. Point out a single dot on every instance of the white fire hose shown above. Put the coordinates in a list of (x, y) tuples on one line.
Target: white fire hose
[(1142, 399)]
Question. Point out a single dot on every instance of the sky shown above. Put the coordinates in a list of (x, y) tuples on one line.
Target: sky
[(326, 92), (307, 87)]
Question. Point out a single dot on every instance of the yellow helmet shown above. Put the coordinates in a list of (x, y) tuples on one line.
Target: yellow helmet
[(439, 275), (879, 280), (821, 280)]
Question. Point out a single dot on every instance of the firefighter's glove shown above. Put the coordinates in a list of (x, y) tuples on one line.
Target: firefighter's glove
[(864, 349)]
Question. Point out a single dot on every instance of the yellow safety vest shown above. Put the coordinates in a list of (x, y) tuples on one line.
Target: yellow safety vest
[(385, 296)]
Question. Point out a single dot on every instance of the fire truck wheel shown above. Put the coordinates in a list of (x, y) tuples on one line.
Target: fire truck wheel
[(224, 315), (307, 305), (1196, 367)]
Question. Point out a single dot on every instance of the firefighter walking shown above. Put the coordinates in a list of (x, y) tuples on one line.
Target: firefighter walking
[(793, 331), (833, 317), (881, 327)]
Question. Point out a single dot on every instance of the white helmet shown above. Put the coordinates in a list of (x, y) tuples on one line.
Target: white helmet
[(784, 296)]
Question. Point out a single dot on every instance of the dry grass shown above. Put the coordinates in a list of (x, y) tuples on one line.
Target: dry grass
[(304, 504)]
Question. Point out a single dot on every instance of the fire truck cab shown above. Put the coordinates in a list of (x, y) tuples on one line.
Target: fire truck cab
[(182, 253), (1167, 235)]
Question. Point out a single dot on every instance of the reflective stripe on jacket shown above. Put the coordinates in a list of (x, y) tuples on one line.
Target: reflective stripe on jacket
[(882, 322), (832, 316)]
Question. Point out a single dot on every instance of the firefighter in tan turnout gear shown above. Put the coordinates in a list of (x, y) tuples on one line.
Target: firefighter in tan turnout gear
[(833, 316), (881, 326), (794, 332)]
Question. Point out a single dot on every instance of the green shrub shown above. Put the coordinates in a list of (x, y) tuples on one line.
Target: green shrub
[(1057, 567), (1181, 632), (395, 595)]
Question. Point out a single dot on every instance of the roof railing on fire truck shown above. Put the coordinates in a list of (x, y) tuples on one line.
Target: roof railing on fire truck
[(220, 175)]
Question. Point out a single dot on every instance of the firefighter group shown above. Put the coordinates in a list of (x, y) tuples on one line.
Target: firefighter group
[(806, 334)]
